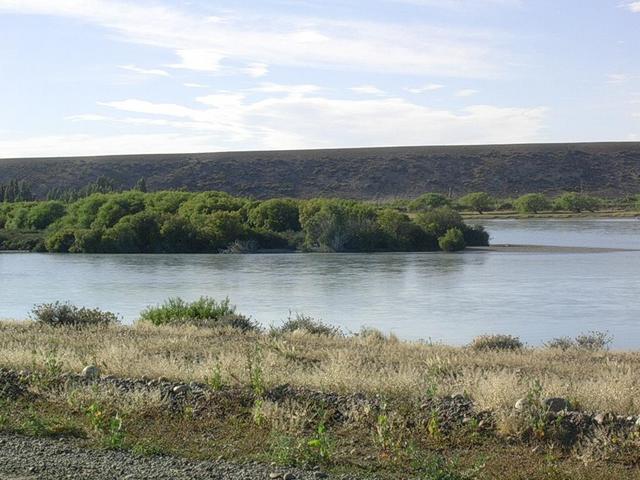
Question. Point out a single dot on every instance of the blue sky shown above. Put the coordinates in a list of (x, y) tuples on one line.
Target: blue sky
[(107, 76)]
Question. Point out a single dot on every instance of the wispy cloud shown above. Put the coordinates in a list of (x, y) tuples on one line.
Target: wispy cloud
[(234, 120), (431, 87), (201, 44), (466, 92), (145, 71), (634, 7), (617, 78), (194, 85), (367, 90)]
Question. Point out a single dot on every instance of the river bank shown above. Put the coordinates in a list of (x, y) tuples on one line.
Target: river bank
[(343, 404)]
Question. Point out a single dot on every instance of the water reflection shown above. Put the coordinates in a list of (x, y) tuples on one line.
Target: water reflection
[(444, 297)]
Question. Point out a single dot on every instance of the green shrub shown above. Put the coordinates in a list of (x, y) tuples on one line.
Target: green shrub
[(593, 341), (278, 215), (44, 214), (576, 202), (475, 236), (436, 222), (429, 201), (478, 201), (452, 241), (308, 324), (204, 312), (496, 342), (532, 203), (65, 313)]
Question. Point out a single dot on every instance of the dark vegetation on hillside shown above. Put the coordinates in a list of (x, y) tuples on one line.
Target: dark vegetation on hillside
[(604, 169)]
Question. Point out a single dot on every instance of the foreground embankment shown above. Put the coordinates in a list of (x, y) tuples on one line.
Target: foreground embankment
[(355, 405)]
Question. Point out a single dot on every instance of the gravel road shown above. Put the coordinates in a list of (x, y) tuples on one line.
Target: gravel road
[(23, 458)]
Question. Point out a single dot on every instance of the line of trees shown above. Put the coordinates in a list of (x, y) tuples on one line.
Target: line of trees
[(482, 202), (177, 221)]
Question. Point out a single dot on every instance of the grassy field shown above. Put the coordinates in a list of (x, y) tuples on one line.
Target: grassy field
[(347, 404)]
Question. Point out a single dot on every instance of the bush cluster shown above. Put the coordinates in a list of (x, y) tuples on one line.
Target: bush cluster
[(307, 324), (496, 342), (67, 314), (204, 312), (182, 222)]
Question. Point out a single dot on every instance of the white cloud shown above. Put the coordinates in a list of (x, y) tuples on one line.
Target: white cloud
[(615, 78), (467, 92), (234, 121), (287, 89), (367, 90), (256, 70), (86, 117), (634, 7), (76, 145), (248, 39), (194, 85), (431, 87), (145, 71), (461, 4)]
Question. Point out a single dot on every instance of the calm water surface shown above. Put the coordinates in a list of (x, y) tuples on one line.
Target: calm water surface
[(444, 297)]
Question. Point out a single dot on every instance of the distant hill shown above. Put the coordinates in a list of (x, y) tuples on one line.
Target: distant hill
[(607, 169)]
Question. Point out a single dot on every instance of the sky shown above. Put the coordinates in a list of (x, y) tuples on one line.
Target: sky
[(92, 77)]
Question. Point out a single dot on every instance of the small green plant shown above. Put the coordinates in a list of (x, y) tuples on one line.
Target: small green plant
[(110, 427), (433, 426), (254, 371), (66, 314), (204, 312), (302, 451), (496, 342), (256, 412), (215, 380), (320, 445)]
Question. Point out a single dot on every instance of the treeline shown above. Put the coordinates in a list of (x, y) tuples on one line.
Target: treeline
[(177, 221), (482, 202), (20, 190)]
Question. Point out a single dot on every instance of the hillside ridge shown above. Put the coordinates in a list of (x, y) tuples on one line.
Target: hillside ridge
[(607, 169)]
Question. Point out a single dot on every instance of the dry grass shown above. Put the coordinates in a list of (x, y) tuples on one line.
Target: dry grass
[(596, 381)]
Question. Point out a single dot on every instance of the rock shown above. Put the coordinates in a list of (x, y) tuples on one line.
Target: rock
[(90, 371), (180, 389), (275, 475), (556, 404), (288, 476), (520, 404), (599, 418), (638, 422)]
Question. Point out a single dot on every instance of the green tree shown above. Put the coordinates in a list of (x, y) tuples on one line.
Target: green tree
[(429, 201), (576, 202), (452, 241), (118, 206), (401, 234), (339, 225), (437, 222), (532, 203), (141, 185), (478, 201), (43, 214), (278, 215)]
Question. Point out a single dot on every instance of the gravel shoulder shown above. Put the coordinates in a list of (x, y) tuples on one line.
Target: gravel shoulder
[(25, 458)]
